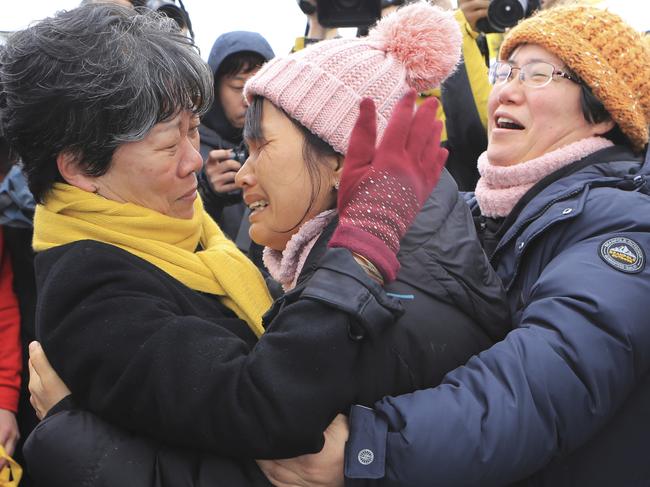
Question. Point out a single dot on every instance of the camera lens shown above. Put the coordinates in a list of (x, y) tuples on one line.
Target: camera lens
[(506, 13)]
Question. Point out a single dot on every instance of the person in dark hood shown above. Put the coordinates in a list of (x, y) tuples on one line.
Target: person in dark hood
[(234, 58)]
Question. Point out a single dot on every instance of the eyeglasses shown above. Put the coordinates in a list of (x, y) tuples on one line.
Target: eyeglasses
[(536, 74)]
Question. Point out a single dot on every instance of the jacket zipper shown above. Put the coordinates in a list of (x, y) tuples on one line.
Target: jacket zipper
[(503, 244)]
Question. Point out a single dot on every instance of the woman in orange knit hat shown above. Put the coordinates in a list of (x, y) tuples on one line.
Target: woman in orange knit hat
[(563, 209)]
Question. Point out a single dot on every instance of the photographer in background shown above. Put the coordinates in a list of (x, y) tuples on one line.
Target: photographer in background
[(314, 31), (234, 58)]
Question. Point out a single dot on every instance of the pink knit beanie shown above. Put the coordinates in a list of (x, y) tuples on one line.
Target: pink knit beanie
[(321, 86)]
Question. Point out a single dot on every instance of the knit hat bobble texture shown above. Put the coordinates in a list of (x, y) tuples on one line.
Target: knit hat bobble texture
[(321, 86), (608, 54)]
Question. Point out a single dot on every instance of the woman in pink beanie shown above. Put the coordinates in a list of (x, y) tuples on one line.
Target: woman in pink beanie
[(337, 162)]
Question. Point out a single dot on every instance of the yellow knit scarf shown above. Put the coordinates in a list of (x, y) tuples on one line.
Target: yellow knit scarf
[(71, 214)]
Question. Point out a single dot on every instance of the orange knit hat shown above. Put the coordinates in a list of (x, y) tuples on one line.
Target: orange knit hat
[(608, 54)]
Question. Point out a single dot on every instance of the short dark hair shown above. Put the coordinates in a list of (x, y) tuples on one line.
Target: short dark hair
[(90, 79), (595, 112), (314, 149), (241, 62)]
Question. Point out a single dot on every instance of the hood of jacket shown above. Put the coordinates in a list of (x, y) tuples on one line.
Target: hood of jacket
[(216, 131)]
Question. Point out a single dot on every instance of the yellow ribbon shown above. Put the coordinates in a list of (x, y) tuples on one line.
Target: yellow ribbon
[(11, 473)]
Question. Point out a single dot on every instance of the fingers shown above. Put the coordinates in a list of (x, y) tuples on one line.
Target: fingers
[(422, 128), (220, 170), (435, 165), (45, 385), (10, 444), (399, 125), (473, 10), (227, 188), (221, 174), (278, 474), (39, 360), (478, 6), (217, 155), (224, 183), (429, 151), (338, 430), (364, 133), (424, 145), (35, 388), (220, 167), (9, 434), (362, 142), (433, 154)]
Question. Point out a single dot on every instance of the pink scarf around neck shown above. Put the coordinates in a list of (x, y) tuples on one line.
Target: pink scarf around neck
[(285, 266), (500, 187)]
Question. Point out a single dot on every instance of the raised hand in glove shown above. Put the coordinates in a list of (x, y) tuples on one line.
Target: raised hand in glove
[(382, 189)]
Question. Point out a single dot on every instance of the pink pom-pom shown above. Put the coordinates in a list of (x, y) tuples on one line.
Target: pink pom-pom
[(425, 39)]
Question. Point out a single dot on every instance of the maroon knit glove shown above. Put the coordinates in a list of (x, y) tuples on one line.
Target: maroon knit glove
[(382, 190)]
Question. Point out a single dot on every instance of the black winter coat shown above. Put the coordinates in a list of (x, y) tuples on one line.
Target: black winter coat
[(330, 343)]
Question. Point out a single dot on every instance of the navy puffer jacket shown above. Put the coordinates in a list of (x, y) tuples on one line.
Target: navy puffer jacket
[(564, 400)]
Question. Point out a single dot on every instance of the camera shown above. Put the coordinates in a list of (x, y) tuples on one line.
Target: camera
[(344, 13), (503, 14), (240, 154), (348, 13)]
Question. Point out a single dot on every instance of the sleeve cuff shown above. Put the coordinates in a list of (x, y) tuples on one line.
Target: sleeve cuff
[(64, 404), (341, 283), (365, 451), (369, 246), (9, 400)]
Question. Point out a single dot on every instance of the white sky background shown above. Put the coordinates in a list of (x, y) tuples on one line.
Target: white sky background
[(280, 21)]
